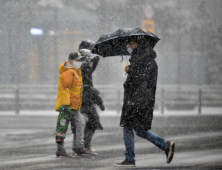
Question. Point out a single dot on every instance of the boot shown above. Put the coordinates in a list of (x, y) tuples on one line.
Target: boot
[(61, 151)]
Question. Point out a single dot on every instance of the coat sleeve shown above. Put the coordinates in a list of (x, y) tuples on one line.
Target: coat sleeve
[(67, 81), (95, 62)]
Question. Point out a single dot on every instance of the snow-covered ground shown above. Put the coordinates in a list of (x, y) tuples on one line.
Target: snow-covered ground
[(204, 111)]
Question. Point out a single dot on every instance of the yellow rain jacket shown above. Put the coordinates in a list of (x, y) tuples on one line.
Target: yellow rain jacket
[(69, 87)]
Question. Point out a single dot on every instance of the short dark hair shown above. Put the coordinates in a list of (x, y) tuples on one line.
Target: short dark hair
[(76, 56), (130, 39)]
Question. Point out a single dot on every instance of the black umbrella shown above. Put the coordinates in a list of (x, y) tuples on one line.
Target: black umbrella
[(114, 43)]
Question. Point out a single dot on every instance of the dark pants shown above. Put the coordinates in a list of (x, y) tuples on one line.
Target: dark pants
[(88, 134), (128, 136), (92, 125)]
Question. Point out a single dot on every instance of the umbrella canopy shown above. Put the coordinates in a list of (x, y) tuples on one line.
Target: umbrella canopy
[(114, 43)]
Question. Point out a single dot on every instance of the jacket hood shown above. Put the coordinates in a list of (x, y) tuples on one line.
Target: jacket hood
[(86, 44), (151, 52), (143, 54), (66, 66), (146, 51)]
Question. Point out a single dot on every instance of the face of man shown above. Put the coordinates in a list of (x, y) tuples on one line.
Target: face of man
[(132, 45), (128, 45), (71, 61), (129, 49)]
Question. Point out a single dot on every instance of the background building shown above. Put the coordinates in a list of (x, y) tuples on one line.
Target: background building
[(189, 51)]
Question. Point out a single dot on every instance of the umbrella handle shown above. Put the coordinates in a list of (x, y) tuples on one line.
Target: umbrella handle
[(122, 59)]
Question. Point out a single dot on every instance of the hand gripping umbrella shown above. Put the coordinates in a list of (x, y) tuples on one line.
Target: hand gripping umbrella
[(114, 43)]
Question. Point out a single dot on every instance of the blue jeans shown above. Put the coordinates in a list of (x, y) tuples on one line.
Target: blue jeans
[(128, 136)]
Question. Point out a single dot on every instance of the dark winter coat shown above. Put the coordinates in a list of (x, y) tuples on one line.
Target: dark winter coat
[(90, 95), (88, 67), (140, 89), (90, 98)]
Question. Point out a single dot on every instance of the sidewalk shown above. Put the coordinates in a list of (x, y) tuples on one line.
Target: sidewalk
[(202, 160), (198, 143), (207, 158)]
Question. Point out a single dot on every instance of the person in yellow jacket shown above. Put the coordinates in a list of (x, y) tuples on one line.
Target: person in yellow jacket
[(69, 101)]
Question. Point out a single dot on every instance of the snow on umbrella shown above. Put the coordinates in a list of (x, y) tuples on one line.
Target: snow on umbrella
[(114, 43)]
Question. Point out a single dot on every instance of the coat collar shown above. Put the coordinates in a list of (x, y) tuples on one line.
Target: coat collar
[(143, 53), (66, 66)]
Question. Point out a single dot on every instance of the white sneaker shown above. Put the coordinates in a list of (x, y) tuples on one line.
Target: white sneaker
[(92, 151)]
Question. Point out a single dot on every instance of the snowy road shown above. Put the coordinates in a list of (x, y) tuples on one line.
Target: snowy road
[(27, 142)]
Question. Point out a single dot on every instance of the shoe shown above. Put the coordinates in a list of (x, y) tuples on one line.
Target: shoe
[(126, 163), (61, 151), (63, 154), (74, 150), (81, 151), (169, 150), (91, 151)]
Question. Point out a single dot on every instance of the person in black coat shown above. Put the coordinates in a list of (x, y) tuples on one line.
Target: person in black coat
[(139, 101), (90, 96)]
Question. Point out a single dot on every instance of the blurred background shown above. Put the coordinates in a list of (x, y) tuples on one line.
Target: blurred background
[(37, 35)]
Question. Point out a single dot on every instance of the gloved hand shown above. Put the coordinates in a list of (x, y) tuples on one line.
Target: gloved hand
[(127, 69), (102, 107), (95, 58)]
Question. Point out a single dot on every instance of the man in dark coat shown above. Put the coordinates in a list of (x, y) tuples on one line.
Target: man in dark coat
[(90, 96), (139, 101)]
